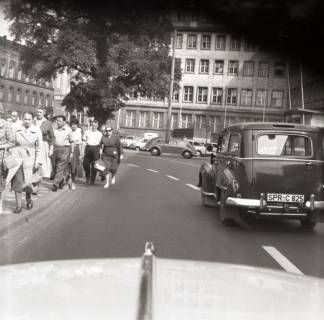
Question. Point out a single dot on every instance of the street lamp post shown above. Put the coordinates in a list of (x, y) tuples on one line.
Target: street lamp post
[(168, 127)]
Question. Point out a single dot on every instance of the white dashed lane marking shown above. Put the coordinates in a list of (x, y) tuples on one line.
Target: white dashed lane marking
[(133, 165), (151, 170), (171, 177), (192, 186), (281, 260)]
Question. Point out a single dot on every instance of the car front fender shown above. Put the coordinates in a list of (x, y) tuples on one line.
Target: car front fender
[(206, 174), (226, 181)]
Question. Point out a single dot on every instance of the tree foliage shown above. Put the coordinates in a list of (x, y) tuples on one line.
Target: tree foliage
[(109, 51)]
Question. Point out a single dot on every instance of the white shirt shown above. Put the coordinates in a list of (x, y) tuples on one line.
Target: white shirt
[(62, 136), (16, 125), (76, 136), (38, 123), (92, 138)]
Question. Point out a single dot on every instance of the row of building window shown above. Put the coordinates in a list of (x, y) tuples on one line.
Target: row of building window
[(208, 41), (184, 120), (232, 96), (16, 73), (26, 97), (248, 68)]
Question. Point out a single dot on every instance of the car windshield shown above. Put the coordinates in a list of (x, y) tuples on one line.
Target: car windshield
[(284, 145)]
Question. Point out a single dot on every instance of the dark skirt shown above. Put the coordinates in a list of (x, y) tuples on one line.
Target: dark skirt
[(111, 164), (3, 175), (75, 161), (17, 181)]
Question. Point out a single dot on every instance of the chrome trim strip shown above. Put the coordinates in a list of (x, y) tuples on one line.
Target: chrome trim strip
[(242, 202), (317, 204), (209, 194), (145, 301), (283, 214), (281, 159)]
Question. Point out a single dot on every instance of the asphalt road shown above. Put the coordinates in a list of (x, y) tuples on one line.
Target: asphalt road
[(155, 199)]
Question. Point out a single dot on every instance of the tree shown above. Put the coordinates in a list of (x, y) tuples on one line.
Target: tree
[(109, 51)]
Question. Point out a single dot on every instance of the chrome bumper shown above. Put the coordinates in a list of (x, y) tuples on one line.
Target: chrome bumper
[(314, 204), (261, 203), (240, 202)]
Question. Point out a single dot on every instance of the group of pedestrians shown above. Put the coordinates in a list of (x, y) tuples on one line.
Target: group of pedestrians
[(37, 147)]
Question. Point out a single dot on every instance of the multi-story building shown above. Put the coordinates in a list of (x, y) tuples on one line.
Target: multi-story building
[(225, 79), (18, 91), (305, 95)]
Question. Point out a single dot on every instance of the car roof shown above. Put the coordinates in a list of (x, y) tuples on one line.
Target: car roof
[(270, 125)]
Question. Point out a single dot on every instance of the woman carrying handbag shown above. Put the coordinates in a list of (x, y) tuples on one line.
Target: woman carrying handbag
[(28, 149), (6, 142), (111, 153)]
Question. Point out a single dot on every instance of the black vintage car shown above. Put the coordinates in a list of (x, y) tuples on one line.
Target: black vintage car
[(267, 169)]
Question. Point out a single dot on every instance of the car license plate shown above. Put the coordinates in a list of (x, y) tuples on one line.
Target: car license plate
[(284, 197)]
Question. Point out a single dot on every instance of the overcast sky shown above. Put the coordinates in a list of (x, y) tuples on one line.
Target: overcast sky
[(4, 29)]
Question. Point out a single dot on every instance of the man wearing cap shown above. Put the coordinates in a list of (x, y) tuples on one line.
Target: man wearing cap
[(62, 150)]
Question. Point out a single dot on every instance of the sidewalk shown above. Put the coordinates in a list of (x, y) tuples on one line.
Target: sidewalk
[(42, 201)]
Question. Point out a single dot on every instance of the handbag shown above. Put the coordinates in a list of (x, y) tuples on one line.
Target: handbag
[(9, 160), (100, 165)]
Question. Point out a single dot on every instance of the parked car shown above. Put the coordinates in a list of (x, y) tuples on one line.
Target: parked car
[(139, 144), (211, 147), (267, 169), (128, 140), (200, 147), (158, 145)]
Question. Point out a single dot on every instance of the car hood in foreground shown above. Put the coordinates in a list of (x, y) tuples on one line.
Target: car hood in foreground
[(109, 289)]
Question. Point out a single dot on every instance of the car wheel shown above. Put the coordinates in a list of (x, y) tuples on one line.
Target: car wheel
[(155, 152), (308, 225), (199, 153), (227, 214), (187, 154)]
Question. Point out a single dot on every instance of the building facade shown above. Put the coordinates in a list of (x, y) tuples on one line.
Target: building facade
[(225, 79), (18, 91), (305, 95)]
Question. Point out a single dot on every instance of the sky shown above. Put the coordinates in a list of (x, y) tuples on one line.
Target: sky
[(4, 26)]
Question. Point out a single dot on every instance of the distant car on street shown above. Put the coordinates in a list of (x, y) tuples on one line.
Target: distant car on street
[(158, 145), (211, 147), (267, 169), (128, 140), (139, 144), (200, 147)]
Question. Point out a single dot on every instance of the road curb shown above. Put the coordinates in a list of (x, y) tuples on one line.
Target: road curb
[(61, 196)]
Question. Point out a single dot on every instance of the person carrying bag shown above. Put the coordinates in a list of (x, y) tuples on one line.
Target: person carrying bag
[(111, 154)]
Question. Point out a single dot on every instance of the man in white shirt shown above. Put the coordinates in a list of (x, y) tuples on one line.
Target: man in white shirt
[(62, 150), (92, 139)]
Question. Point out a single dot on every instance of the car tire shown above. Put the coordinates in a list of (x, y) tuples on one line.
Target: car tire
[(187, 154), (155, 152), (308, 225), (227, 214)]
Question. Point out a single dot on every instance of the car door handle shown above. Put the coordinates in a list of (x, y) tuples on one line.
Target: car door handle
[(309, 164)]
